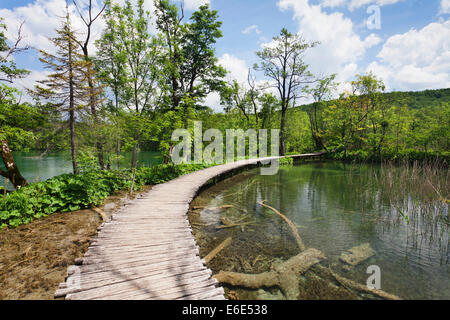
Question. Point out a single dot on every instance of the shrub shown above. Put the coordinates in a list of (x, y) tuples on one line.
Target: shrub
[(69, 192)]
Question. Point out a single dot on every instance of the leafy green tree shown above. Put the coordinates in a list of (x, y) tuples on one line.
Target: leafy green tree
[(269, 105), (373, 105), (141, 74), (234, 95), (111, 62), (8, 129), (284, 65), (400, 119), (321, 92), (246, 98), (190, 66), (8, 68)]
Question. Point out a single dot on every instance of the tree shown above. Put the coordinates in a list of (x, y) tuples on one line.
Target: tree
[(373, 105), (93, 89), (320, 92), (400, 122), (141, 74), (269, 105), (111, 61), (282, 62), (8, 73), (358, 119), (234, 95), (190, 66), (8, 130), (66, 86)]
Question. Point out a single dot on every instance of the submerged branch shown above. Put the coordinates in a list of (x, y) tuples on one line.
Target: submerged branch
[(217, 249), (297, 237), (284, 275), (359, 287)]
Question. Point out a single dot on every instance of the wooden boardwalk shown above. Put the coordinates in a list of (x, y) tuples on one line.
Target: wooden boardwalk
[(147, 249)]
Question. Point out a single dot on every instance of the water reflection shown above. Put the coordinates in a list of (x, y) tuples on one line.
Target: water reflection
[(35, 168)]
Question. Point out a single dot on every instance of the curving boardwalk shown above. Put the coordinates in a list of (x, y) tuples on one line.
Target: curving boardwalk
[(147, 250)]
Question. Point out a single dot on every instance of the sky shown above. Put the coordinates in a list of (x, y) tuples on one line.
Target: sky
[(406, 43)]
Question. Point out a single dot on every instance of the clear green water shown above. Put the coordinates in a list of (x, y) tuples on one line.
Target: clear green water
[(335, 208), (36, 169)]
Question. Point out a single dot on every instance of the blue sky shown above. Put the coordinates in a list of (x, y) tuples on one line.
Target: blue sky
[(410, 50)]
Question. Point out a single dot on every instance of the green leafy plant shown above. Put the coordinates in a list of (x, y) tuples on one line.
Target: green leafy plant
[(69, 192)]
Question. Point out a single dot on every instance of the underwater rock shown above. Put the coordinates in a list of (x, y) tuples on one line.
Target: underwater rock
[(356, 255), (262, 294)]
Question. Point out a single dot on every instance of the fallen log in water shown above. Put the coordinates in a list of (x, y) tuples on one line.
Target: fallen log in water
[(359, 287), (217, 249), (213, 208), (290, 224), (284, 275)]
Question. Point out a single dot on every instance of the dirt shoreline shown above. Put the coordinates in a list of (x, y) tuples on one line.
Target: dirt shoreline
[(34, 257)]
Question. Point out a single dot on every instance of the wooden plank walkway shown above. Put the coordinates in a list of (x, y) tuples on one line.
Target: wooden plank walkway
[(147, 249)]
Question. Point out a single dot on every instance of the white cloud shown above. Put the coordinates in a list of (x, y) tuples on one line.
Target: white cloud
[(355, 4), (340, 48), (213, 101), (332, 3), (444, 7), (194, 4), (42, 18), (237, 68), (253, 28), (417, 59), (372, 40)]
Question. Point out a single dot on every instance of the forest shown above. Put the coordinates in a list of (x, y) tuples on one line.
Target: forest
[(141, 86)]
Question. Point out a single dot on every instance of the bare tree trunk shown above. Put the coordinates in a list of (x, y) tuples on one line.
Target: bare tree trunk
[(92, 103), (12, 170), (72, 114), (73, 144), (283, 133), (84, 46), (118, 151), (134, 155)]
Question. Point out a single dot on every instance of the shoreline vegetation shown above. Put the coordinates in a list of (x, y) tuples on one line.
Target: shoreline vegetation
[(71, 192), (89, 188)]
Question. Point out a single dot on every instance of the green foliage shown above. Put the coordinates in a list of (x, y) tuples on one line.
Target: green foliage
[(369, 125), (286, 161), (8, 67), (190, 66), (69, 192)]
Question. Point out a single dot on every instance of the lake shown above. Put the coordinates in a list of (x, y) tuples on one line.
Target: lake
[(335, 207), (36, 169)]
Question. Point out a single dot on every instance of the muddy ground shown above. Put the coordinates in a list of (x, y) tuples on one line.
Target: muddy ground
[(34, 257)]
